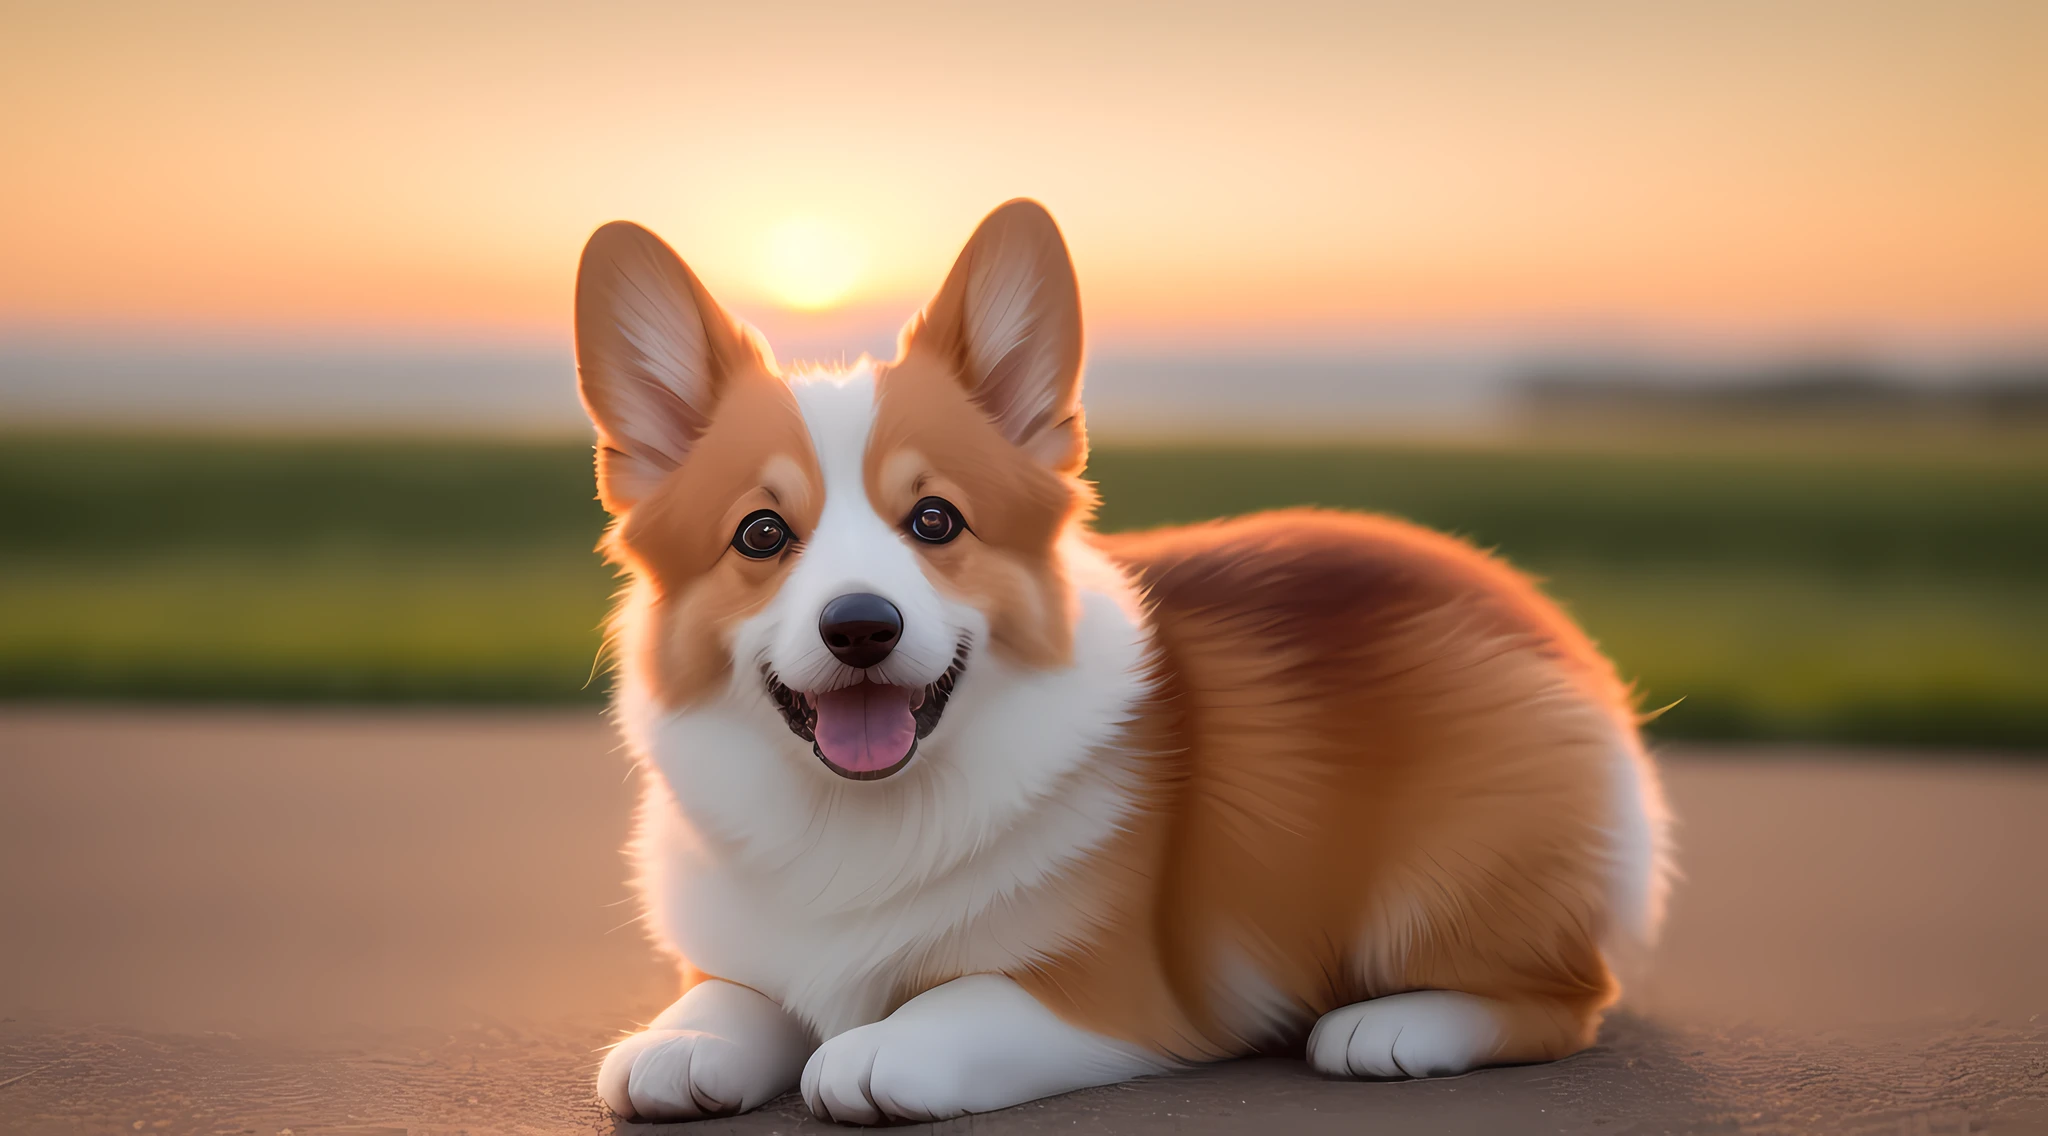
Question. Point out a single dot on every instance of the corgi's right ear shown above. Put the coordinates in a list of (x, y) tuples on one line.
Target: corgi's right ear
[(653, 354)]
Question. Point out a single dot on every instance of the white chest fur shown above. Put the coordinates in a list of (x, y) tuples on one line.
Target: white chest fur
[(840, 898)]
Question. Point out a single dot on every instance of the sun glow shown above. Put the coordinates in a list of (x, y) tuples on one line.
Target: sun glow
[(811, 263)]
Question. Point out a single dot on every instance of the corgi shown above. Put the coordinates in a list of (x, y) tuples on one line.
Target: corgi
[(951, 803)]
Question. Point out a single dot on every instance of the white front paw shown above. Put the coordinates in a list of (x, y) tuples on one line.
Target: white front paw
[(667, 1074), (881, 1073), (1424, 1033)]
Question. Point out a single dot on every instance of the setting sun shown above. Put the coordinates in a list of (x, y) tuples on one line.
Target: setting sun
[(811, 263)]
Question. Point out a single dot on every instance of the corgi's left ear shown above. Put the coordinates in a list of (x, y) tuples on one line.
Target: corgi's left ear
[(1008, 321)]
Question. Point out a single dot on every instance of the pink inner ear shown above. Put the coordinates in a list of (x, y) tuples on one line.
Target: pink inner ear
[(1011, 310), (648, 342)]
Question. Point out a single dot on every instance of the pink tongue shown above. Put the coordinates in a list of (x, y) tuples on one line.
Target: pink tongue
[(866, 727)]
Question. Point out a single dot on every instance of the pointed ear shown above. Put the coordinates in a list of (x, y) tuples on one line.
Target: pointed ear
[(1008, 321), (653, 354)]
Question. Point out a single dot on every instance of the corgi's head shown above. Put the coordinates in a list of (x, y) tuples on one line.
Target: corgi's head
[(842, 546)]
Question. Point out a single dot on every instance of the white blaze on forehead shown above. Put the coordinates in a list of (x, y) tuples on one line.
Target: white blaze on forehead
[(855, 549), (839, 411)]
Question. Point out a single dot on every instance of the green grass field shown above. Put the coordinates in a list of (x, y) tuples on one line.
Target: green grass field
[(1838, 593)]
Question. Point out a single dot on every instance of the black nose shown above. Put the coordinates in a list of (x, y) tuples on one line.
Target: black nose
[(861, 629)]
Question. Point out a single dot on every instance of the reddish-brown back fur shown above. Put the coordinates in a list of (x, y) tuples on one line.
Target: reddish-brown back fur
[(1383, 765)]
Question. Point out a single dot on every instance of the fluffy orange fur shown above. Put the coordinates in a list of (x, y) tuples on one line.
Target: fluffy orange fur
[(1378, 762)]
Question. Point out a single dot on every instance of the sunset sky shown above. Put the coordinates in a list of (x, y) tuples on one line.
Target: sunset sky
[(1224, 173)]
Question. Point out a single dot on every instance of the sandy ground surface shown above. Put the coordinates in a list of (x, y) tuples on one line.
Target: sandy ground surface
[(261, 922)]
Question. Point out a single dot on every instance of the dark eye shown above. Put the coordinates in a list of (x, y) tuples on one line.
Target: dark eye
[(761, 535), (934, 520)]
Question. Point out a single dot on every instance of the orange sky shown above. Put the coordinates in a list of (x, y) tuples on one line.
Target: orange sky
[(1220, 170)]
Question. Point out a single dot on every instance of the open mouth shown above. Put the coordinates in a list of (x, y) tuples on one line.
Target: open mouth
[(869, 730)]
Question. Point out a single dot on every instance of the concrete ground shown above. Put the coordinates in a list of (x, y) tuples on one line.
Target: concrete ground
[(327, 922)]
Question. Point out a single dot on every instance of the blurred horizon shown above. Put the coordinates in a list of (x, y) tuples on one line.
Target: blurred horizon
[(1317, 180), (1420, 387)]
